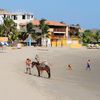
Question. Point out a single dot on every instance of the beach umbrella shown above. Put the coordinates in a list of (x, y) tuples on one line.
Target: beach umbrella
[(29, 40)]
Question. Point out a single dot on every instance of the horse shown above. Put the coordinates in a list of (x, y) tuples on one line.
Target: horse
[(40, 68)]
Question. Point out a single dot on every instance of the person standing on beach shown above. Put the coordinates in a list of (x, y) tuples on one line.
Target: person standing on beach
[(28, 66), (88, 66)]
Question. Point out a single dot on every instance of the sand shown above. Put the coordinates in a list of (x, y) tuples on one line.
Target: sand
[(64, 84)]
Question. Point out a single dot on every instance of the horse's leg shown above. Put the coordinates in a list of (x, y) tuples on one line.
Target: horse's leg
[(38, 72), (49, 74), (48, 71)]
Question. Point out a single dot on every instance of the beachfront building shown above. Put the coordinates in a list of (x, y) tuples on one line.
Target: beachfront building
[(18, 17), (57, 32)]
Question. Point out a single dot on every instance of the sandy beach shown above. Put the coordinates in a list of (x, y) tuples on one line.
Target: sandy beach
[(64, 84)]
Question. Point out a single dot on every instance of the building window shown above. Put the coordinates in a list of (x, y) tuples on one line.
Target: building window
[(4, 16), (60, 29), (23, 16), (31, 16), (28, 16), (14, 17)]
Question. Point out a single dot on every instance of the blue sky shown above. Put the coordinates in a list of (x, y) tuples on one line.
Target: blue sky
[(84, 12)]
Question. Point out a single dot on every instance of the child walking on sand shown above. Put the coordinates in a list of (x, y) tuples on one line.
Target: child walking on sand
[(69, 67)]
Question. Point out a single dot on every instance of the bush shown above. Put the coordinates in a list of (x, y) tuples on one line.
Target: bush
[(85, 44)]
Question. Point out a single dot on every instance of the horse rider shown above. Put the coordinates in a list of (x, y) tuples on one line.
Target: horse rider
[(37, 58), (43, 63)]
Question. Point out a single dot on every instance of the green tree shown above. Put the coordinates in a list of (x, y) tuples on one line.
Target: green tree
[(30, 27), (8, 29), (29, 30), (90, 37), (97, 36), (44, 27), (1, 30), (87, 36)]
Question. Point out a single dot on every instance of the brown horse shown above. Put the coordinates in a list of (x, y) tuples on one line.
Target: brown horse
[(40, 68)]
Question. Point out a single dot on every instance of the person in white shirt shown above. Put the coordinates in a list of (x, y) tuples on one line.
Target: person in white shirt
[(37, 58)]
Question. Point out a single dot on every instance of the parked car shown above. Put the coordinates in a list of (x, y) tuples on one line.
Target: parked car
[(4, 44), (93, 46)]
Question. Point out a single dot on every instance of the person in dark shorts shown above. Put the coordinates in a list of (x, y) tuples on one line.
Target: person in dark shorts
[(88, 66)]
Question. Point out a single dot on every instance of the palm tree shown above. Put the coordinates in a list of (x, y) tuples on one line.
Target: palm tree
[(44, 27), (1, 30), (29, 30), (8, 29), (30, 27)]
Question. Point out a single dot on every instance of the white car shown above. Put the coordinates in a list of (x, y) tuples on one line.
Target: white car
[(4, 43)]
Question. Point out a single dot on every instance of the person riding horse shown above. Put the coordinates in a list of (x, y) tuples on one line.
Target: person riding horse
[(37, 58), (43, 63), (41, 66)]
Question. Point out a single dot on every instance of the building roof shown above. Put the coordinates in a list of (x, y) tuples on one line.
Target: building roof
[(36, 22), (52, 23), (3, 11)]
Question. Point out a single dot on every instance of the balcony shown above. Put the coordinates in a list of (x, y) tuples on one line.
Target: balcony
[(59, 30)]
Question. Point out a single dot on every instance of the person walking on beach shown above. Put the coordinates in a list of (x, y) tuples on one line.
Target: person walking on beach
[(69, 66), (28, 66), (88, 66)]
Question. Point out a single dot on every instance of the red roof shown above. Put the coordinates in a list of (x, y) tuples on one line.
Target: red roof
[(53, 23), (36, 22)]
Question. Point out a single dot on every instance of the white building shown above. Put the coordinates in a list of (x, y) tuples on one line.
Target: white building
[(18, 18)]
